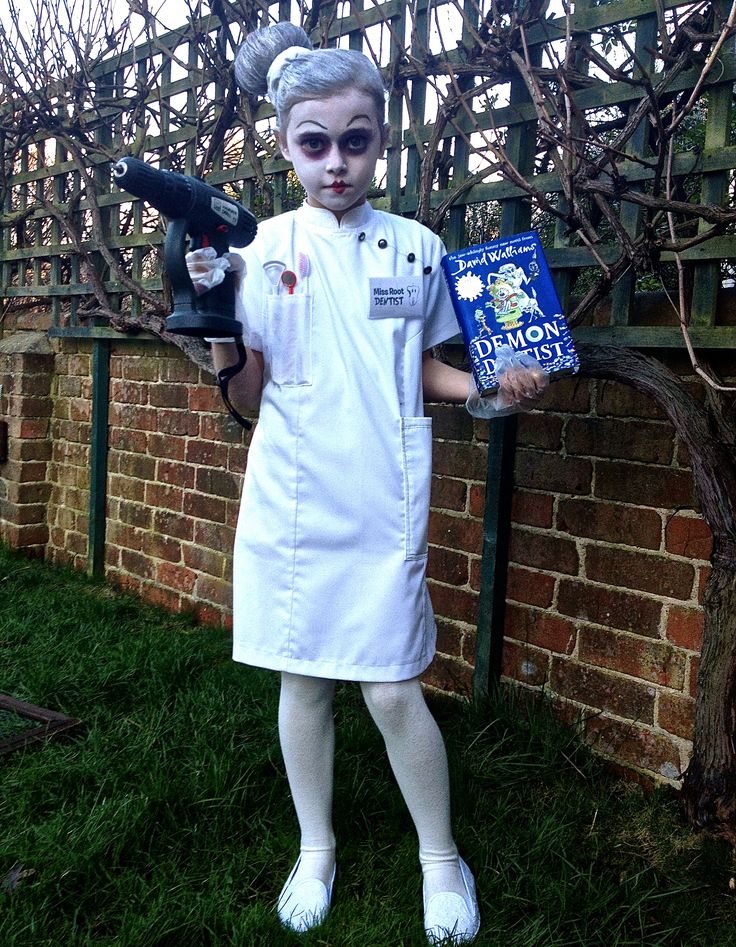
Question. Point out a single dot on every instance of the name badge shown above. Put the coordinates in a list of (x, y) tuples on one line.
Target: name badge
[(396, 297)]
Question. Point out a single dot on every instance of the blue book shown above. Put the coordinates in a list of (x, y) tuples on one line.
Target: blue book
[(503, 294)]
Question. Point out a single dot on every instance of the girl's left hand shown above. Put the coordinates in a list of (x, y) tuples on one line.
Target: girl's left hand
[(521, 380)]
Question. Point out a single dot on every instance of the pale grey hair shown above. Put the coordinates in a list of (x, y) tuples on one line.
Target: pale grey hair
[(325, 73)]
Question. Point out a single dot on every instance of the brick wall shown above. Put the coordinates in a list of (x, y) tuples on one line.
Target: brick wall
[(609, 558), (175, 464), (460, 457), (608, 555)]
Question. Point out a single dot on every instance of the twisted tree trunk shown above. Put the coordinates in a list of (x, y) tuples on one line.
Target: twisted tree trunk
[(709, 784), (709, 787)]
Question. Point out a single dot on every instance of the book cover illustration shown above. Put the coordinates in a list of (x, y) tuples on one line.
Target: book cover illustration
[(503, 294)]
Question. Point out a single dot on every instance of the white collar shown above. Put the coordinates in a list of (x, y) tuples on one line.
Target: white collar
[(356, 219)]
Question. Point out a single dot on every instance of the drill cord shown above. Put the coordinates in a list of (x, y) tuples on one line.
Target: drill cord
[(223, 380)]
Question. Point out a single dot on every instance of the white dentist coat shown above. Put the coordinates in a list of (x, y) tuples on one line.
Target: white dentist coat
[(331, 542)]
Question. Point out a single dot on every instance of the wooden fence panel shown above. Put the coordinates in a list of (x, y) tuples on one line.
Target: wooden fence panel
[(53, 235)]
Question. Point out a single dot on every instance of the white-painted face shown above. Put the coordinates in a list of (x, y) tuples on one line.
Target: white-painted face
[(334, 144)]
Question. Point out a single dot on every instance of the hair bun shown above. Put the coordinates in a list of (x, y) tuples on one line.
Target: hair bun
[(259, 50)]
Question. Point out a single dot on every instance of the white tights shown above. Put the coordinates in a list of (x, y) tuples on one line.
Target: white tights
[(417, 756)]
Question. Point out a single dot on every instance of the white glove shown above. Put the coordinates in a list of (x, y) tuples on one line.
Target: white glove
[(207, 269), (520, 379)]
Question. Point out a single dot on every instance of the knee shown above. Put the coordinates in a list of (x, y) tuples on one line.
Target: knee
[(306, 692), (392, 704)]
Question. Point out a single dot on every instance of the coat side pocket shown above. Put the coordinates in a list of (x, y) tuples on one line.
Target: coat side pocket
[(416, 451), (288, 343)]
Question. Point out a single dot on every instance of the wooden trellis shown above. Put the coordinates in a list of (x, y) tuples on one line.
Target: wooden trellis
[(50, 257)]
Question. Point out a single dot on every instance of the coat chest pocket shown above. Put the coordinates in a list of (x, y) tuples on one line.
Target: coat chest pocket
[(289, 339), (416, 459)]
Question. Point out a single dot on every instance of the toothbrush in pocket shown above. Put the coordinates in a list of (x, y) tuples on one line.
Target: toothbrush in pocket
[(303, 270)]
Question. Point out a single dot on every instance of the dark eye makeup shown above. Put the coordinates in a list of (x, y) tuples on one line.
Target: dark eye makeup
[(353, 142), (357, 140), (312, 144)]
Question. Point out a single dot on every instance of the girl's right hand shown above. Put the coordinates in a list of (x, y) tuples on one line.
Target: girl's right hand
[(207, 270)]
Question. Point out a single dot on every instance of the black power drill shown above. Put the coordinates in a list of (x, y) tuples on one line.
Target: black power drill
[(211, 219)]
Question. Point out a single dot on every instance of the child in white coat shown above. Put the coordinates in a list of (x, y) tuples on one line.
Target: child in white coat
[(341, 306)]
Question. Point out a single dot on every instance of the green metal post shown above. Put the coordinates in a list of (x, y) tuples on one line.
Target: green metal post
[(494, 565), (98, 457)]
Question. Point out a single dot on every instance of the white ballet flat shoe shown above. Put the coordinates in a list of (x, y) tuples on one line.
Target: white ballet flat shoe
[(304, 904), (451, 917)]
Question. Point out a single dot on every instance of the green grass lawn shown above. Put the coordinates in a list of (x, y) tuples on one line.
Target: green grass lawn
[(167, 820)]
